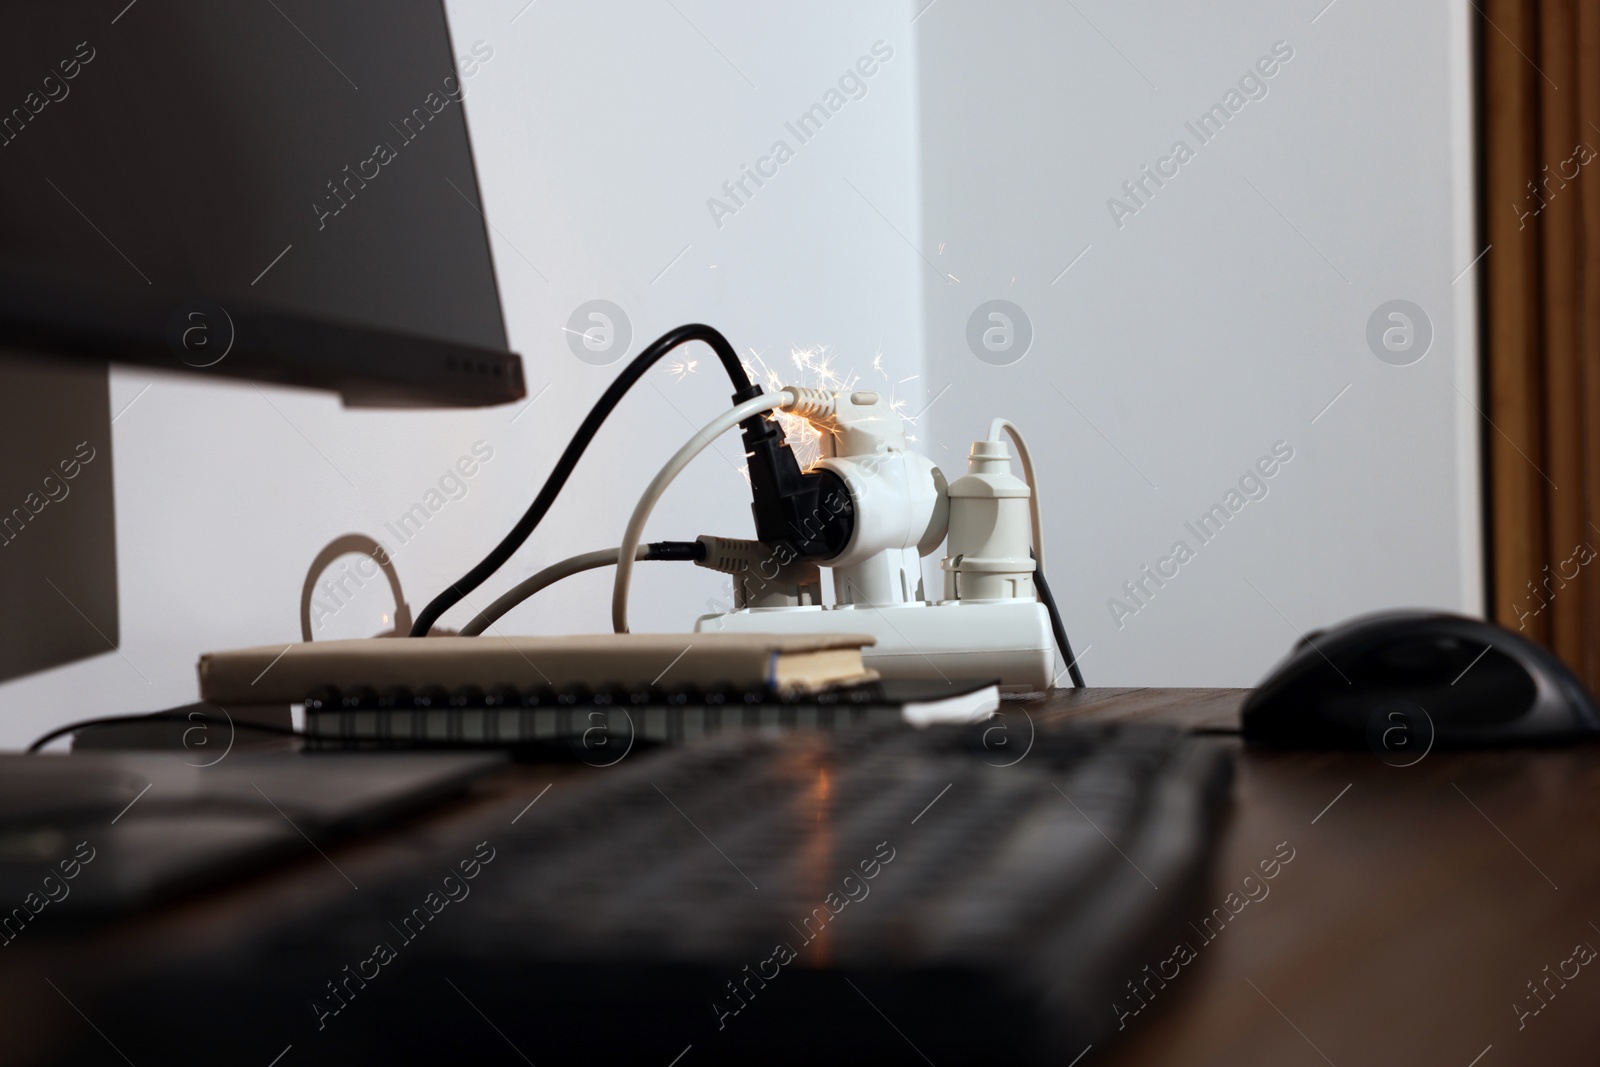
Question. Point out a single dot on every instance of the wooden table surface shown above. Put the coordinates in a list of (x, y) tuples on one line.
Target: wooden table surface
[(1420, 904)]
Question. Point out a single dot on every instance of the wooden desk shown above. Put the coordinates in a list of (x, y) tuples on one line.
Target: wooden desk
[(1419, 904)]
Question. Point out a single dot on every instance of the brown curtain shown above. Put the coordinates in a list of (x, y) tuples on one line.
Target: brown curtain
[(1540, 150)]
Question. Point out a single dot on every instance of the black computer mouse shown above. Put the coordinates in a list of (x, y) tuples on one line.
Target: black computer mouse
[(1419, 679)]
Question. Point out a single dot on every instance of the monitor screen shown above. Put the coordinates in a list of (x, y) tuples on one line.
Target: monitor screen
[(282, 190)]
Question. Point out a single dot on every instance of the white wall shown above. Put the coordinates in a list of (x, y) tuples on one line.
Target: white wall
[(1194, 337), (600, 141), (1220, 318), (599, 136)]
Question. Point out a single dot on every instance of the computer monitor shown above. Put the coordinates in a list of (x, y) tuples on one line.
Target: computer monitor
[(276, 190), (280, 190)]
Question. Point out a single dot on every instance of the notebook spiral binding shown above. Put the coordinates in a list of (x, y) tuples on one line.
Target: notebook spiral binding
[(599, 720)]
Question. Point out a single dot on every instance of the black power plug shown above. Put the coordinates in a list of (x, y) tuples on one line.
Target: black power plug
[(809, 513)]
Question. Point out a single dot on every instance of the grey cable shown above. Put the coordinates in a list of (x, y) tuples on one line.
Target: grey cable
[(588, 561)]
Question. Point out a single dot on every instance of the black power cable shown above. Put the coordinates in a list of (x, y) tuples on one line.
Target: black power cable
[(174, 715), (569, 460), (1062, 643)]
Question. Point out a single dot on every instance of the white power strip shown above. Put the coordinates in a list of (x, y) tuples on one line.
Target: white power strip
[(1005, 639), (988, 623)]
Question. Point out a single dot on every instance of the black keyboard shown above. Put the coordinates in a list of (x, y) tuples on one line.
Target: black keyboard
[(877, 894)]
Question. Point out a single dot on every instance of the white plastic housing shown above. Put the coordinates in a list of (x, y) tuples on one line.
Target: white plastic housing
[(991, 531), (899, 508), (1009, 640), (899, 498)]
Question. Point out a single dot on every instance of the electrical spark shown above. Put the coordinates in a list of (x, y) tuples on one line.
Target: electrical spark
[(816, 367)]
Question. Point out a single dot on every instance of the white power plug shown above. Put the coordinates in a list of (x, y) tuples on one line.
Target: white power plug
[(901, 508), (990, 530)]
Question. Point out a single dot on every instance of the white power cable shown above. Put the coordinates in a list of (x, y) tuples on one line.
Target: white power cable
[(1035, 512), (635, 533), (550, 575)]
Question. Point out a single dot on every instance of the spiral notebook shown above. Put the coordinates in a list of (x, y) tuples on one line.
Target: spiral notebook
[(777, 663), (595, 690)]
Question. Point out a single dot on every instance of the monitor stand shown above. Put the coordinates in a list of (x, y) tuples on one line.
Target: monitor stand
[(58, 548)]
